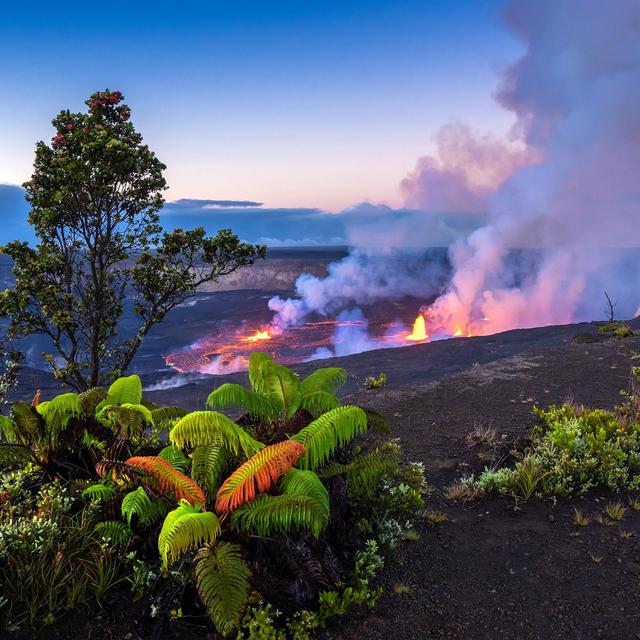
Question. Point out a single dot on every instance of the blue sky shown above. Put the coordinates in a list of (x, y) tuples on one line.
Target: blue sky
[(302, 104)]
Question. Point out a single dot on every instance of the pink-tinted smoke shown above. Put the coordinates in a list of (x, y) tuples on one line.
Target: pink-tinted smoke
[(576, 95)]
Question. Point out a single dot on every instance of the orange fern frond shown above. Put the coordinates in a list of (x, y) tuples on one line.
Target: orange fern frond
[(169, 479), (261, 471), (36, 399)]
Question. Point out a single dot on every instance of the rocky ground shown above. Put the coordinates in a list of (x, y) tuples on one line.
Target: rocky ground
[(493, 569)]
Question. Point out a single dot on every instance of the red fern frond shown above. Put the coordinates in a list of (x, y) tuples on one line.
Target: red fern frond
[(169, 479), (260, 471)]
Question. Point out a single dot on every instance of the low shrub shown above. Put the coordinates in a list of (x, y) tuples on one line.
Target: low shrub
[(617, 328), (51, 559), (575, 450), (376, 382)]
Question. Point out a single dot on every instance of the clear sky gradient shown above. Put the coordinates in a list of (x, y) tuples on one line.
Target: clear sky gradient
[(318, 104)]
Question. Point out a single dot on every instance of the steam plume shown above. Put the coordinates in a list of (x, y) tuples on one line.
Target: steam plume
[(576, 95), (562, 194)]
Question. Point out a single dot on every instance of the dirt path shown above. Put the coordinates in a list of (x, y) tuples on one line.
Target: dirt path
[(492, 572)]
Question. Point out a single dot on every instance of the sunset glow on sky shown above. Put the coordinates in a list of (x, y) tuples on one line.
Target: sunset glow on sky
[(292, 104)]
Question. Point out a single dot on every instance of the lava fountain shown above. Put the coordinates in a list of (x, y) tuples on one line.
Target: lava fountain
[(419, 332), (258, 336)]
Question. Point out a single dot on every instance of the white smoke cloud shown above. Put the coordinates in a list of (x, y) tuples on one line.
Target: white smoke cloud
[(350, 337), (362, 278), (173, 382), (561, 194), (466, 169), (576, 94)]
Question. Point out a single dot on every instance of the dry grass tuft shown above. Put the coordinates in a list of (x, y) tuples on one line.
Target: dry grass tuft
[(615, 510), (463, 493), (435, 517), (580, 519)]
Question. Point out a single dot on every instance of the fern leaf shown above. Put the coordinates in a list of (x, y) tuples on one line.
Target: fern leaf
[(367, 470), (14, 454), (58, 412), (27, 423), (307, 483), (318, 402), (90, 399), (377, 422), (128, 419), (270, 514), (169, 479), (164, 415), (99, 491), (211, 427), (119, 472), (138, 503), (127, 390), (222, 578), (257, 474), (115, 531), (258, 362), (326, 379), (282, 388), (7, 430), (328, 432), (186, 528), (208, 463), (235, 396), (175, 457)]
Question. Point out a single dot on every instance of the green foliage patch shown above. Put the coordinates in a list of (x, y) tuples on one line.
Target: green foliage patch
[(287, 507), (574, 450)]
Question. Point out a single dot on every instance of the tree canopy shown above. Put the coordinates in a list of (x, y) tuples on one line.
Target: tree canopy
[(95, 194)]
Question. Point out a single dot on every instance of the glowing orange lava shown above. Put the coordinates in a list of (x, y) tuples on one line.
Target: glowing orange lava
[(457, 333), (258, 336), (419, 330)]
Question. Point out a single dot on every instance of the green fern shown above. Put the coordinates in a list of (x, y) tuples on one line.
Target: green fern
[(127, 419), (99, 492), (7, 430), (282, 388), (367, 470), (277, 391), (14, 454), (235, 396), (59, 411), (259, 362), (377, 422), (27, 424), (270, 514), (186, 528), (118, 533), (90, 399), (138, 503), (222, 578), (211, 427), (318, 402), (175, 457), (170, 414), (328, 432), (299, 482), (327, 379), (208, 463), (127, 390)]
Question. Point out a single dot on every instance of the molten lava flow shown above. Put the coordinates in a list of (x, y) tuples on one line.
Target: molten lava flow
[(419, 330), (258, 336), (457, 333)]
